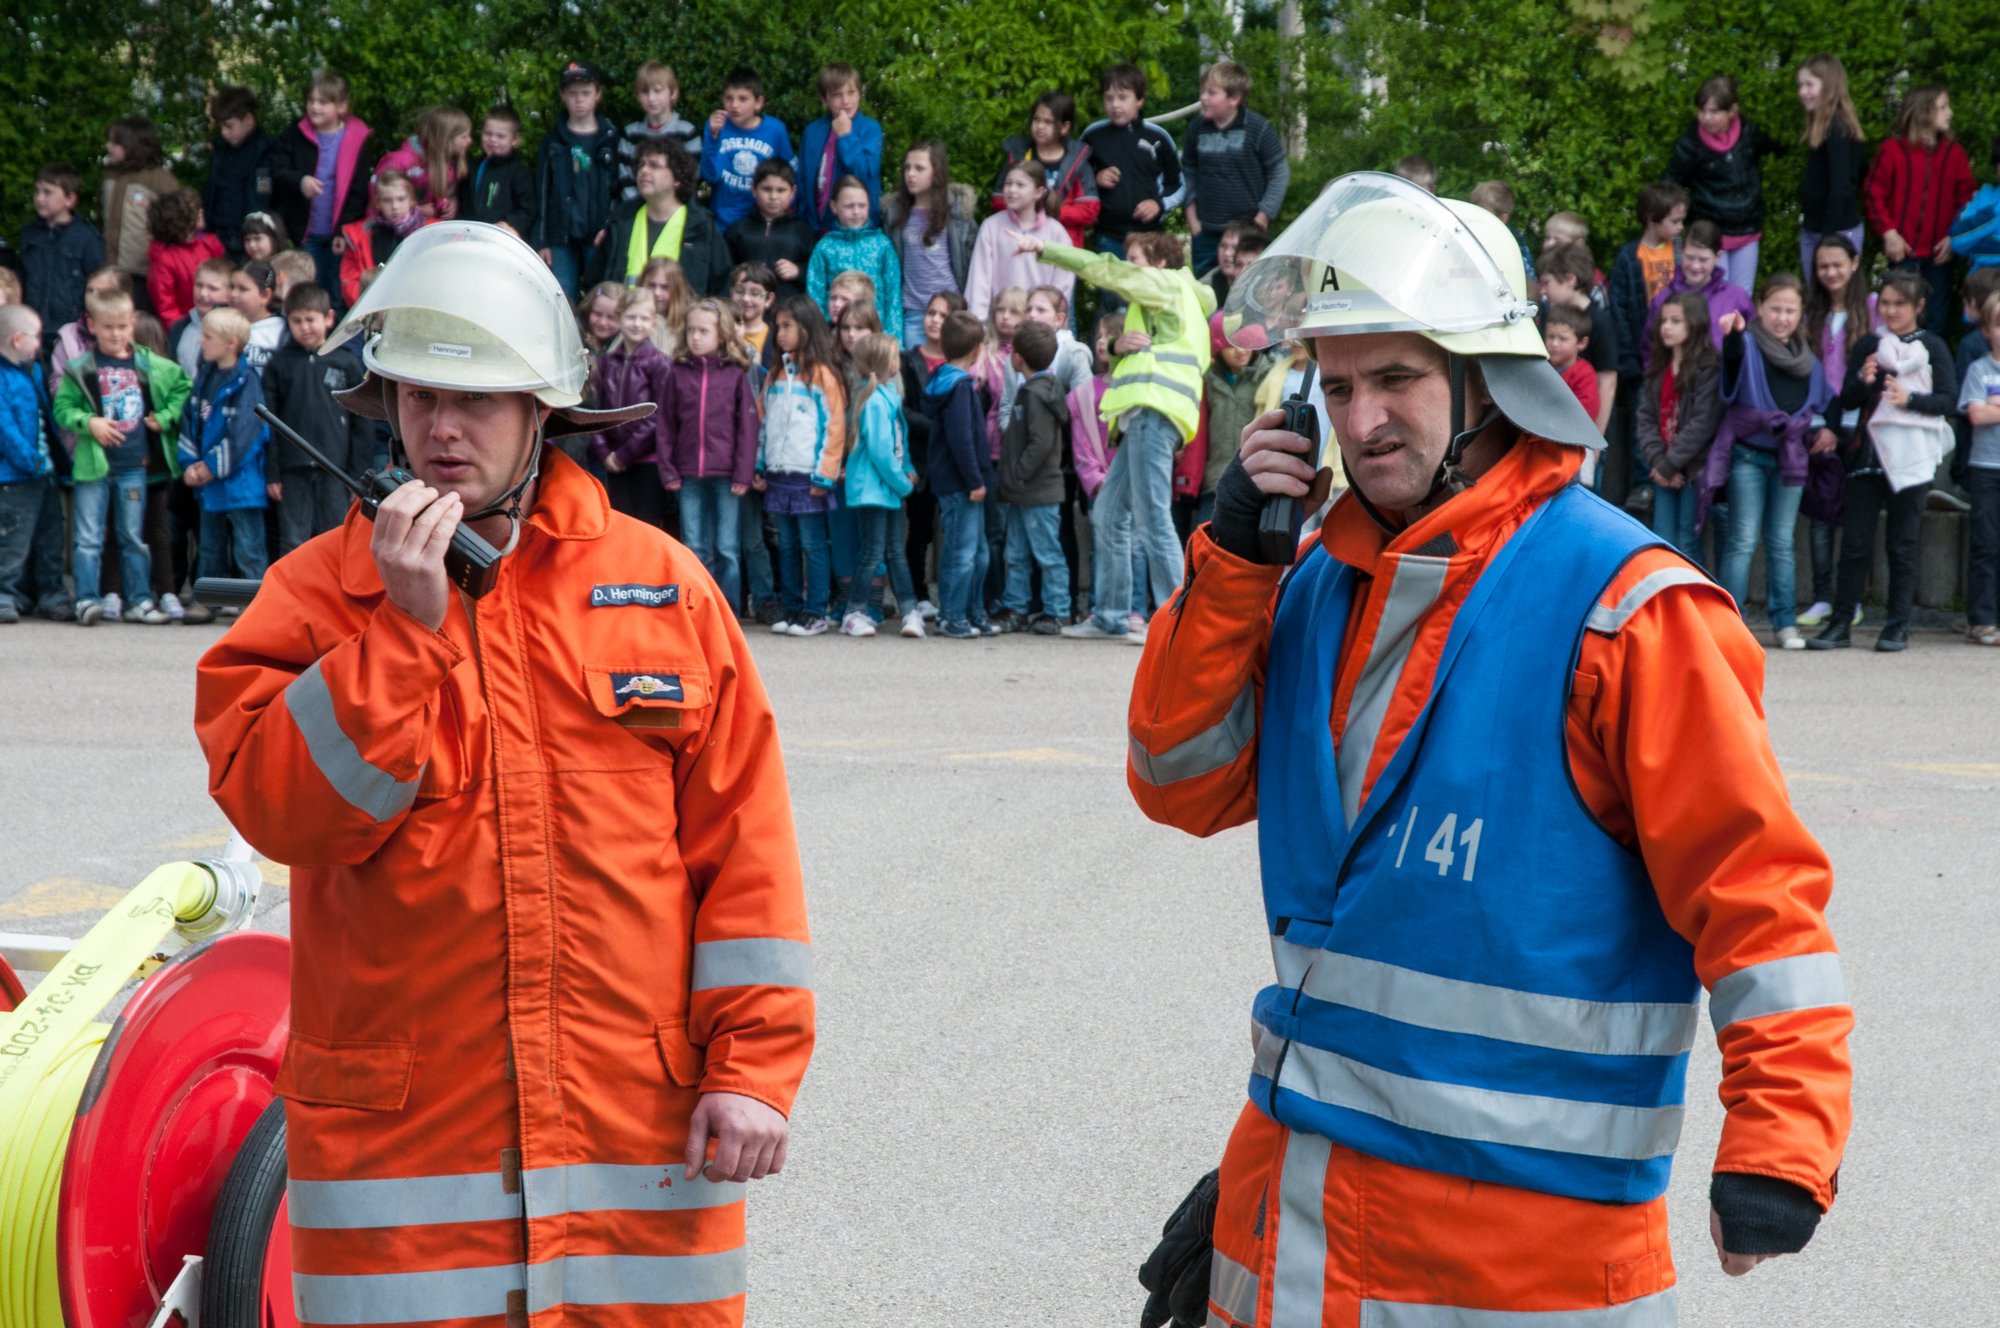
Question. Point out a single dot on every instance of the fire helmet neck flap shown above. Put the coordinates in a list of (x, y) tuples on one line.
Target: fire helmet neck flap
[(1375, 254)]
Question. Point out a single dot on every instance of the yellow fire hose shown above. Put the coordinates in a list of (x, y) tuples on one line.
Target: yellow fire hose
[(47, 1049)]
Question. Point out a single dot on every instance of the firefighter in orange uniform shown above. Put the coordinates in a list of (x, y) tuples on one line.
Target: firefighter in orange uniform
[(551, 989), (1516, 808)]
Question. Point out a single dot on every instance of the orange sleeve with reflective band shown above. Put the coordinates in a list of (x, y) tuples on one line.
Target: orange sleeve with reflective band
[(751, 1001), (1669, 748), (1192, 759), (337, 718)]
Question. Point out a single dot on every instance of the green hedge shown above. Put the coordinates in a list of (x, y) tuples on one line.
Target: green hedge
[(1574, 102)]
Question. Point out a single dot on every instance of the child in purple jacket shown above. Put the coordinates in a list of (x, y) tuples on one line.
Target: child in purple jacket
[(1700, 271), (708, 439)]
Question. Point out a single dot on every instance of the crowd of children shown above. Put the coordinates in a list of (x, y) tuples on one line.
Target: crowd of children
[(870, 383)]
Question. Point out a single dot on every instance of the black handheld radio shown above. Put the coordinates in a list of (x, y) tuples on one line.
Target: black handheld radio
[(472, 564), (1283, 519)]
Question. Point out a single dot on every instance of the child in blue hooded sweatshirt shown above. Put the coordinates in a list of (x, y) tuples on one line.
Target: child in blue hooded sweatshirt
[(738, 139), (961, 470), (222, 450), (879, 477), (858, 245), (842, 143)]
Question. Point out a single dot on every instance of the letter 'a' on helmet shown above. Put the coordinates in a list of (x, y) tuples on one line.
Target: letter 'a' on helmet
[(465, 306), (1375, 254)]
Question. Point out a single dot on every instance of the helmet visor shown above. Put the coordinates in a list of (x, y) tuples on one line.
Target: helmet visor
[(1374, 253)]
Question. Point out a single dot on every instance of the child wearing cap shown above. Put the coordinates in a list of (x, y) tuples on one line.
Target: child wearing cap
[(576, 174)]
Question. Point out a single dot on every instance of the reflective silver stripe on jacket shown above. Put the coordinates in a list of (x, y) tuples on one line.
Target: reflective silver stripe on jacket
[(1298, 1273), (1417, 583), (1177, 357), (366, 787), (1609, 622), (1560, 1023), (1485, 1115), (413, 1201), (1655, 1311), (1206, 752), (1802, 982), (757, 961), (1157, 380), (468, 1293), (1233, 1288)]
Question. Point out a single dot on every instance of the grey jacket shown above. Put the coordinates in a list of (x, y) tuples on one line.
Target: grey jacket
[(1700, 414), (961, 232)]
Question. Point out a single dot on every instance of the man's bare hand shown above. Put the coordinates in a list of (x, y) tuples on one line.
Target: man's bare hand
[(749, 1137), (413, 528), (1734, 1264)]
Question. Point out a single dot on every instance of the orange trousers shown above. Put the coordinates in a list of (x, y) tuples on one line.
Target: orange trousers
[(1309, 1234)]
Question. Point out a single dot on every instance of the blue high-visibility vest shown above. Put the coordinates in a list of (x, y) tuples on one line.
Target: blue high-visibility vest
[(1473, 977)]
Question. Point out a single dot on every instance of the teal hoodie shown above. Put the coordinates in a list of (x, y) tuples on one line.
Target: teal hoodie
[(878, 469), (865, 250)]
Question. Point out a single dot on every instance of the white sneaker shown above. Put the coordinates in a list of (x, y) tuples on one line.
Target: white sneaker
[(170, 604), (927, 609), (147, 612), (857, 624), (808, 627), (1857, 615), (1789, 639), (782, 627), (114, 608), (913, 624), (1817, 615), (1135, 630), (1088, 630)]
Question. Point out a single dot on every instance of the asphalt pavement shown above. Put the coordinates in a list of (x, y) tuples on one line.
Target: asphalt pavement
[(1034, 1004)]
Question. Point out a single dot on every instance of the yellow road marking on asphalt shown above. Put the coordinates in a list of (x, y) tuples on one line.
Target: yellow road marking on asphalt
[(1955, 770), (1814, 777), (1050, 755), (61, 896)]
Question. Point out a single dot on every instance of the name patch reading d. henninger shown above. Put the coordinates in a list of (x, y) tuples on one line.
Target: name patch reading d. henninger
[(624, 597), (665, 686)]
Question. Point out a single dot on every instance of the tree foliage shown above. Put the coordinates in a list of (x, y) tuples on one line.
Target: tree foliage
[(1576, 103)]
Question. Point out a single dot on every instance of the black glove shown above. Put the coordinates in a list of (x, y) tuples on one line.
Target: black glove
[(1238, 505), (1762, 1214), (1176, 1272)]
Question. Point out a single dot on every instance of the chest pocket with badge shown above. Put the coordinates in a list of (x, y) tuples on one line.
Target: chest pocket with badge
[(663, 701)]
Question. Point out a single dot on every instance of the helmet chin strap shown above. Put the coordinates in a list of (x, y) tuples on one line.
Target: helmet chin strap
[(1451, 477)]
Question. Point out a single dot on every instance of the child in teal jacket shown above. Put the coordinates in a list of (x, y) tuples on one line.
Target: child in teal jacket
[(879, 477), (854, 245)]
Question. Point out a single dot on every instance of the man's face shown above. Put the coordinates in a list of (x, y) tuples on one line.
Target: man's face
[(742, 106), (1121, 105), (210, 289), (309, 327), (774, 197), (237, 128), (1389, 400), (114, 334), (655, 178), (497, 138), (51, 201), (472, 444)]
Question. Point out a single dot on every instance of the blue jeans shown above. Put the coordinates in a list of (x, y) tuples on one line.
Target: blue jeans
[(1673, 518), (1761, 507), (22, 535), (326, 268), (840, 541), (1740, 265), (1034, 539), (709, 514), (1202, 247), (913, 329), (879, 535), (125, 495), (961, 558), (242, 529), (567, 261), (1134, 509), (1809, 242), (759, 581), (802, 538)]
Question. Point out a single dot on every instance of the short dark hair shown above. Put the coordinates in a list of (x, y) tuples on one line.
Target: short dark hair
[(1576, 320), (308, 297), (757, 274), (140, 138), (1124, 75), (232, 103), (1568, 260), (1658, 199), (1981, 284), (1060, 105), (1721, 90), (1249, 233), (505, 113), (743, 76), (175, 217), (1703, 234), (769, 167), (62, 175), (1418, 169), (678, 159), (962, 335), (1035, 343)]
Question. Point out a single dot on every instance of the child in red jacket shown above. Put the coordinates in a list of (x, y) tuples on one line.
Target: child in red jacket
[(1920, 181), (179, 246)]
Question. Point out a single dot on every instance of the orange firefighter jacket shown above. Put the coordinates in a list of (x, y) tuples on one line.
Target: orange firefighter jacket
[(1666, 741), (546, 892)]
